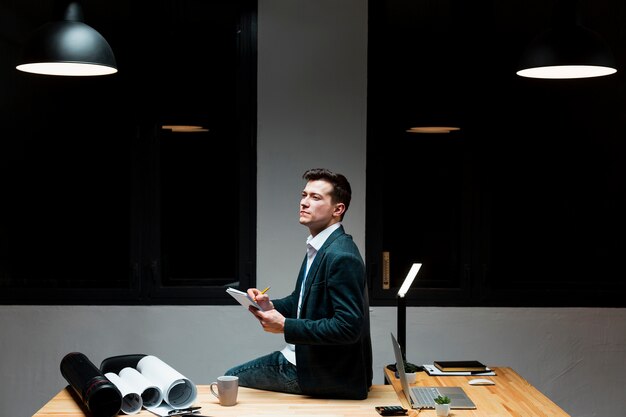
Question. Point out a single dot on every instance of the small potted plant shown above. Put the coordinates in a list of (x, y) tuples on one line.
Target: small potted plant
[(442, 405), (410, 371)]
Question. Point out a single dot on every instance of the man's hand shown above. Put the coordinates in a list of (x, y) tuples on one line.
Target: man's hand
[(271, 320), (263, 300)]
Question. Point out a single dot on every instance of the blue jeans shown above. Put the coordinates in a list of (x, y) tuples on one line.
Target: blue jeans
[(271, 372)]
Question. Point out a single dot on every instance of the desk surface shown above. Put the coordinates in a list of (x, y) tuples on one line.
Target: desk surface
[(512, 396), (251, 402)]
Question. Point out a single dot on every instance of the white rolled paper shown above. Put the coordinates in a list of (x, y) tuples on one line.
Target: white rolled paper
[(131, 400), (179, 392), (151, 395)]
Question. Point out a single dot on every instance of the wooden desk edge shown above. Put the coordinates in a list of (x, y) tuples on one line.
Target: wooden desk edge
[(511, 396), (250, 402)]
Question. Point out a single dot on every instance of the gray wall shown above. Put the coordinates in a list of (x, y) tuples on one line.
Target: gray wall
[(312, 113)]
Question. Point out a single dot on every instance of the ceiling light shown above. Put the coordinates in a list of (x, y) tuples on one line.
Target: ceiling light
[(68, 47), (567, 50)]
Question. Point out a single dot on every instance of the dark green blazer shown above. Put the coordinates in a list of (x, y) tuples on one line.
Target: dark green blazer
[(332, 335)]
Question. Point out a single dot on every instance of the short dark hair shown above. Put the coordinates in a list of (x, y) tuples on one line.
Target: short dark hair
[(341, 193)]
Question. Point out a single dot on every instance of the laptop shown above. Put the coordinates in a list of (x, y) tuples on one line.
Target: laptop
[(423, 397)]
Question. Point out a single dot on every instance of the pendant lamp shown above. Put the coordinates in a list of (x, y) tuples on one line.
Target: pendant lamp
[(567, 50), (68, 47)]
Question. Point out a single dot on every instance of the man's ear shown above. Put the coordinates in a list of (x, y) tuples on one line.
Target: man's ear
[(340, 208)]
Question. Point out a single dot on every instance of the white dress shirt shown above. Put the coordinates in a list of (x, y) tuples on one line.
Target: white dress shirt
[(313, 244)]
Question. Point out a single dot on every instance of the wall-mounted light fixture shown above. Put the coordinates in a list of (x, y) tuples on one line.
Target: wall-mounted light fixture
[(68, 47), (567, 50)]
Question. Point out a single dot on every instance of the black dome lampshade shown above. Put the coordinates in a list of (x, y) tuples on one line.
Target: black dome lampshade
[(567, 50), (68, 47)]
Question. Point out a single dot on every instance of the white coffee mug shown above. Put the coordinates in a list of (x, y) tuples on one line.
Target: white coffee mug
[(227, 387)]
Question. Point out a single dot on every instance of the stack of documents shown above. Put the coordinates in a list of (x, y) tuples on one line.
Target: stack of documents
[(460, 366), (434, 371)]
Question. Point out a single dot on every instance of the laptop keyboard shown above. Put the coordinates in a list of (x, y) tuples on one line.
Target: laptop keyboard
[(425, 396)]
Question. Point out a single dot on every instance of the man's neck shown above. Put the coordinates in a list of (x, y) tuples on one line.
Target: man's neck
[(318, 231)]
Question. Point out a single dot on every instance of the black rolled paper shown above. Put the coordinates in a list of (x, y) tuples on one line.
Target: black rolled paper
[(100, 396)]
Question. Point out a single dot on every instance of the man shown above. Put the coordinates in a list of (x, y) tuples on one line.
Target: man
[(325, 320)]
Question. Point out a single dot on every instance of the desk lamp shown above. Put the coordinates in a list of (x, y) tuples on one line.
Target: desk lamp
[(401, 321)]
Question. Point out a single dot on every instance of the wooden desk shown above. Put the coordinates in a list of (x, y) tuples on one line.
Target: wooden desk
[(251, 402), (512, 396)]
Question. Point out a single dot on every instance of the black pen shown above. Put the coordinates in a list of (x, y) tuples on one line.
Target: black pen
[(181, 411)]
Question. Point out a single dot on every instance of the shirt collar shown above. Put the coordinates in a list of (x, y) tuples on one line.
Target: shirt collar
[(317, 241)]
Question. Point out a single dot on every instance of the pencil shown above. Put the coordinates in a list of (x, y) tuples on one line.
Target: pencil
[(265, 290)]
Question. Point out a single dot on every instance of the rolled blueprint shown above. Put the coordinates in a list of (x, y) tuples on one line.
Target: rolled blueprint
[(131, 400), (151, 395), (178, 391)]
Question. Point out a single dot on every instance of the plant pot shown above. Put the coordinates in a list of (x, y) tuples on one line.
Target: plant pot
[(442, 410), (411, 377)]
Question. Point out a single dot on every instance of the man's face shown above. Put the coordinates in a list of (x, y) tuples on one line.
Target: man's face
[(317, 211)]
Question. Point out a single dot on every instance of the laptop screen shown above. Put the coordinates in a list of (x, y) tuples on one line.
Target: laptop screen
[(400, 367), (458, 397)]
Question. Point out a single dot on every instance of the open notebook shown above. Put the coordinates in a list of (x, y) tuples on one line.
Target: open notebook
[(422, 397)]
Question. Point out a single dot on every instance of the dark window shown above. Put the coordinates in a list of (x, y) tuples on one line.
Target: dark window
[(101, 204), (522, 207)]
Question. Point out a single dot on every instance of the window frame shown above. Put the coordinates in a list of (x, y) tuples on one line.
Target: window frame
[(144, 283), (515, 146)]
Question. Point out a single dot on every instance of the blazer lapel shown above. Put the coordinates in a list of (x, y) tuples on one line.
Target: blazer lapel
[(301, 273), (312, 274)]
